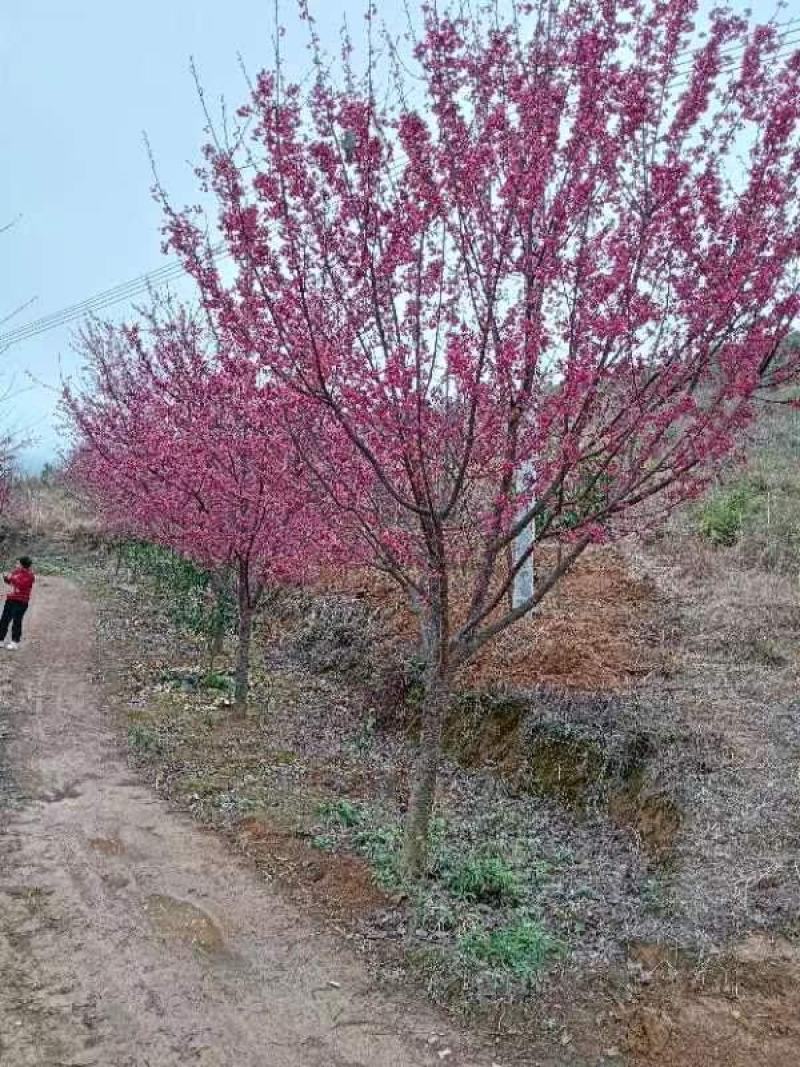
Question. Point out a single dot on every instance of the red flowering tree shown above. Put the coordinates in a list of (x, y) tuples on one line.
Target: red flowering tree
[(182, 446), (533, 297)]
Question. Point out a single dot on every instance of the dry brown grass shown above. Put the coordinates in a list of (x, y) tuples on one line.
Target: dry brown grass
[(44, 510), (731, 706)]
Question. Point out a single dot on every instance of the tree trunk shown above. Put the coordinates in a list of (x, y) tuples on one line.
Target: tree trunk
[(242, 676), (510, 566), (247, 601), (423, 790), (215, 646), (217, 635)]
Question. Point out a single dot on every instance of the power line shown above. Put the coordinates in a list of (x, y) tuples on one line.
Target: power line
[(690, 54), (683, 78), (117, 294)]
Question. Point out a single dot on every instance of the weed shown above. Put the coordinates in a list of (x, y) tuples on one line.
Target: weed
[(196, 602), (655, 900), (215, 680), (197, 787), (55, 568), (413, 683), (235, 804), (144, 739), (436, 832), (365, 738), (340, 812), (380, 845), (324, 842), (486, 879), (767, 653), (435, 914), (336, 635), (522, 947), (283, 757), (722, 516)]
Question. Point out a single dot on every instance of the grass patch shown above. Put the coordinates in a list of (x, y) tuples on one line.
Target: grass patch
[(324, 842), (54, 567), (380, 846), (758, 511), (340, 812), (722, 517), (144, 739), (485, 879), (222, 683), (767, 653), (436, 914), (521, 948)]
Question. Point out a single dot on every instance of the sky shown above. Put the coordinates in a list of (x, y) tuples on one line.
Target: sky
[(81, 82)]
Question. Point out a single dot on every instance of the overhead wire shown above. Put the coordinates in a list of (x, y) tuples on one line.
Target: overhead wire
[(690, 54), (117, 294), (683, 79)]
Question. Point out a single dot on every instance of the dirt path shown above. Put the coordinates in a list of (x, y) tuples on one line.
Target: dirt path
[(131, 938)]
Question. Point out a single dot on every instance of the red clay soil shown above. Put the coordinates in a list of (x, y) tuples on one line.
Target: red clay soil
[(561, 644), (335, 886), (744, 1013)]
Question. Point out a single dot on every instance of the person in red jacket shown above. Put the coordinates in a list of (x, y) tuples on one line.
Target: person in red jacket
[(21, 581)]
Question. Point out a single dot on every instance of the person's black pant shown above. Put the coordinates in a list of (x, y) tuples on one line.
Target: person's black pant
[(12, 616)]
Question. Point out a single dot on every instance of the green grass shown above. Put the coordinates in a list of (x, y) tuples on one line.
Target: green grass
[(324, 842), (214, 680), (483, 878), (722, 517), (757, 508), (144, 739), (53, 567), (522, 947), (340, 812), (187, 589), (433, 913), (380, 846)]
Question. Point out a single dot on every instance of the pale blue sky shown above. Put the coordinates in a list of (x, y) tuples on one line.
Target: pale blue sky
[(80, 81)]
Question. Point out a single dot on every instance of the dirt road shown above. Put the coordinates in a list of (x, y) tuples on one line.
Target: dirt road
[(131, 938)]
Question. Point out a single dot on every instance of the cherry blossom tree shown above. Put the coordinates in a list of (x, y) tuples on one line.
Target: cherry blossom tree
[(182, 446), (535, 287)]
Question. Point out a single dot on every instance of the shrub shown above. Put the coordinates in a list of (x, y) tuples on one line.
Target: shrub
[(336, 634), (723, 515), (215, 680)]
